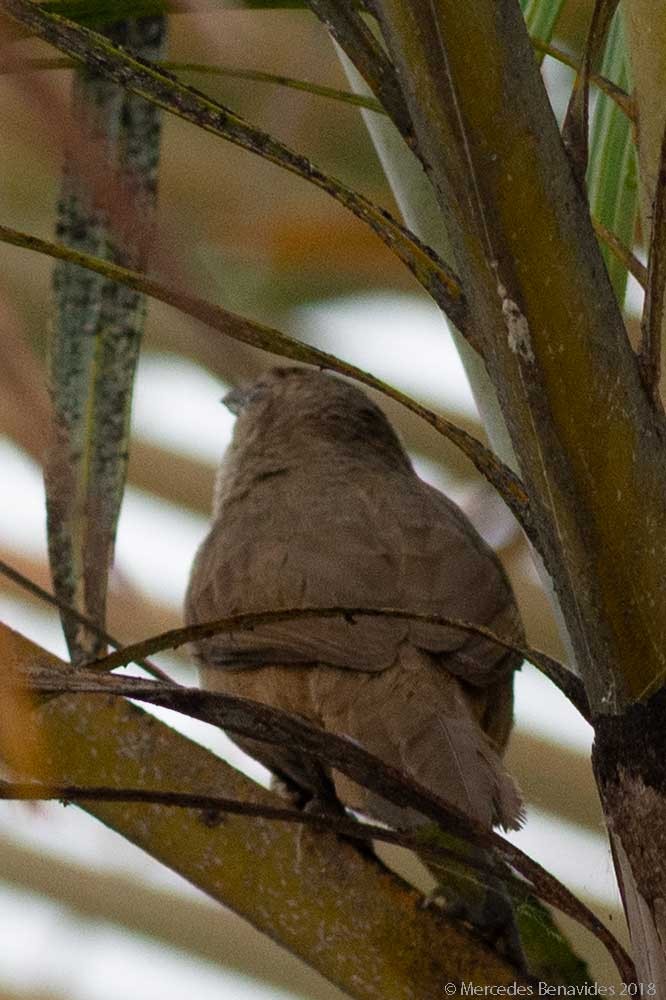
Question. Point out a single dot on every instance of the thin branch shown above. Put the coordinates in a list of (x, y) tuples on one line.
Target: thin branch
[(342, 825), (649, 355), (620, 97), (202, 854), (290, 82), (345, 826), (570, 685), (185, 102), (264, 723), (621, 252), (260, 722), (366, 53), (66, 609), (230, 72), (575, 125), (507, 484)]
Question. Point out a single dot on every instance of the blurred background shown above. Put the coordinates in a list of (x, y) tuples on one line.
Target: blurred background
[(77, 901)]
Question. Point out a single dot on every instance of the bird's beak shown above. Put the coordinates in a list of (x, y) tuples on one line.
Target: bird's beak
[(235, 400)]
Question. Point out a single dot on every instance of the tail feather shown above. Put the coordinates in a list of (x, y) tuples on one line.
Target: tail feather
[(416, 716)]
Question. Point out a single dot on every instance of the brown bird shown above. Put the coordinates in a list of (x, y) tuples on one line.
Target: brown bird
[(317, 504)]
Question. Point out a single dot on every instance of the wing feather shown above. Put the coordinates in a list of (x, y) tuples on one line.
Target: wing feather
[(403, 545)]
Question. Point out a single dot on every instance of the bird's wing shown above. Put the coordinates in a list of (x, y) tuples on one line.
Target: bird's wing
[(447, 569), (375, 543), (266, 555)]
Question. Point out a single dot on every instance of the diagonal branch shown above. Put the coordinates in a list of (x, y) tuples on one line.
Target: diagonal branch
[(621, 252), (617, 94), (564, 679), (164, 90), (370, 59), (212, 805), (575, 125), (266, 338), (264, 723), (208, 69), (342, 825), (553, 325), (76, 616), (257, 868)]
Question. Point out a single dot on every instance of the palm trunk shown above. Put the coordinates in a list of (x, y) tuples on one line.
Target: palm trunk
[(629, 762)]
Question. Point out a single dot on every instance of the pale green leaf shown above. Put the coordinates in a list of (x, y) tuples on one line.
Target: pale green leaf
[(612, 171), (541, 18)]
